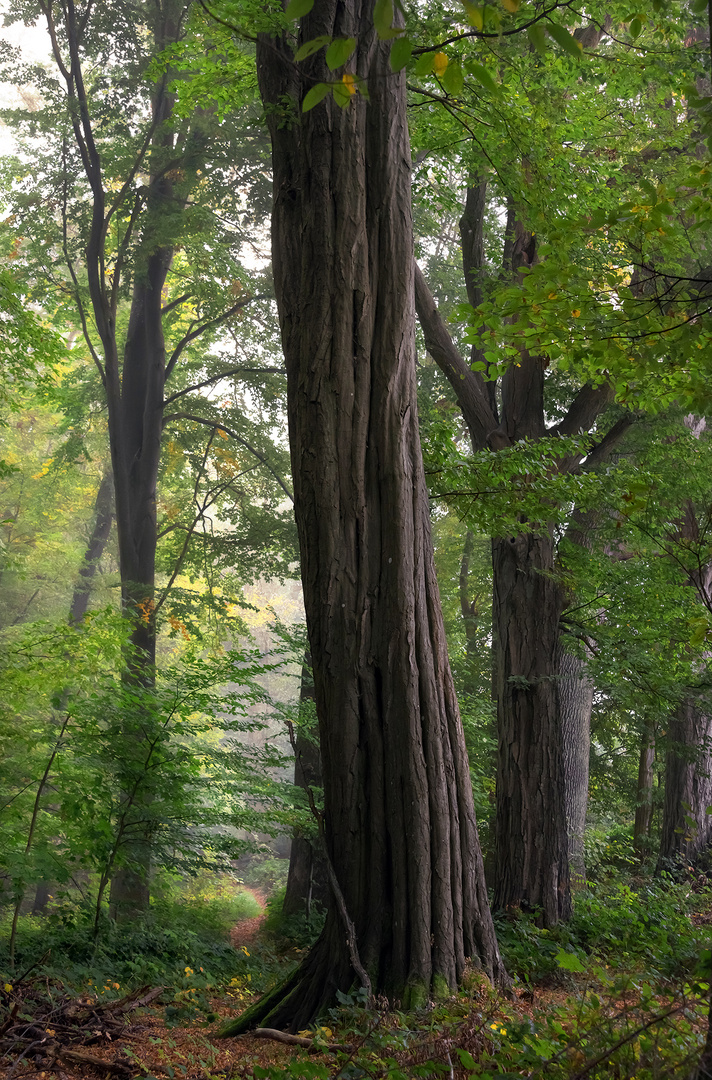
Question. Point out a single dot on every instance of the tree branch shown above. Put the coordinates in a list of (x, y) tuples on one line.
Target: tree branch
[(602, 451), (469, 386), (223, 375), (193, 334), (233, 435), (589, 402)]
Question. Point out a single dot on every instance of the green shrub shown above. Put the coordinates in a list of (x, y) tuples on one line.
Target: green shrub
[(293, 930)]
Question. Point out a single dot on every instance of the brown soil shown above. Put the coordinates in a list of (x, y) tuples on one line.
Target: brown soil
[(245, 932)]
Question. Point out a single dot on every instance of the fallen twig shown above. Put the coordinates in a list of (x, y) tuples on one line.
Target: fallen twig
[(299, 1040), (74, 1057)]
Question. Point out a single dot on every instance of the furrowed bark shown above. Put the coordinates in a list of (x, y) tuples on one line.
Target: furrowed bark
[(399, 816), (532, 870), (687, 828)]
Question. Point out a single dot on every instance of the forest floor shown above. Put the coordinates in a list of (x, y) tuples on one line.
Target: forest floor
[(93, 1039)]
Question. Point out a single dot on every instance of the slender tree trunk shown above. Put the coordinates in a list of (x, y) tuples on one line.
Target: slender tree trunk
[(135, 426), (468, 609), (101, 530), (400, 825), (532, 870), (687, 828), (644, 792), (307, 880), (575, 692)]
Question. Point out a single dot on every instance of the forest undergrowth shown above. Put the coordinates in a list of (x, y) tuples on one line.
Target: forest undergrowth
[(621, 991)]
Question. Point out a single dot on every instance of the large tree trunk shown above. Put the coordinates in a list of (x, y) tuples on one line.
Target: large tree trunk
[(532, 869), (399, 815), (575, 691), (135, 427), (687, 828)]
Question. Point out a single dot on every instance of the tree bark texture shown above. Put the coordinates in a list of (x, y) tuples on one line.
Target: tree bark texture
[(575, 691), (687, 828), (399, 816), (530, 830)]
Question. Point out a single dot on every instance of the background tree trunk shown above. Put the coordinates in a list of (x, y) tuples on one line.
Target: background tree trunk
[(687, 828), (532, 869), (532, 862), (644, 792), (99, 538), (575, 692), (399, 815)]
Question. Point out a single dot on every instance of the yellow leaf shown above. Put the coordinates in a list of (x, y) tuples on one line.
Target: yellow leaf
[(8, 988), (349, 82), (576, 313), (511, 5), (223, 434), (439, 63), (474, 15)]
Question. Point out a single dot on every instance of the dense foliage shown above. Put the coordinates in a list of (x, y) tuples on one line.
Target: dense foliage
[(575, 144)]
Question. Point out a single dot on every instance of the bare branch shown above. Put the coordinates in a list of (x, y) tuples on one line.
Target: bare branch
[(223, 375), (238, 438), (209, 325), (469, 386)]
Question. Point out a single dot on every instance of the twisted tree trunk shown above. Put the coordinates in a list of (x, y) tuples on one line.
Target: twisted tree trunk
[(399, 816)]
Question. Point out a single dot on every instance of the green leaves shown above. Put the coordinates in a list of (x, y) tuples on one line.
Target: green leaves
[(569, 961), (453, 79), (401, 52), (343, 91), (339, 52), (315, 95), (297, 9), (537, 36), (564, 39), (383, 20), (311, 47), (483, 76)]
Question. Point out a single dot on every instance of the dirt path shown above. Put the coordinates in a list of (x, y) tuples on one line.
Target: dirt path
[(245, 932)]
